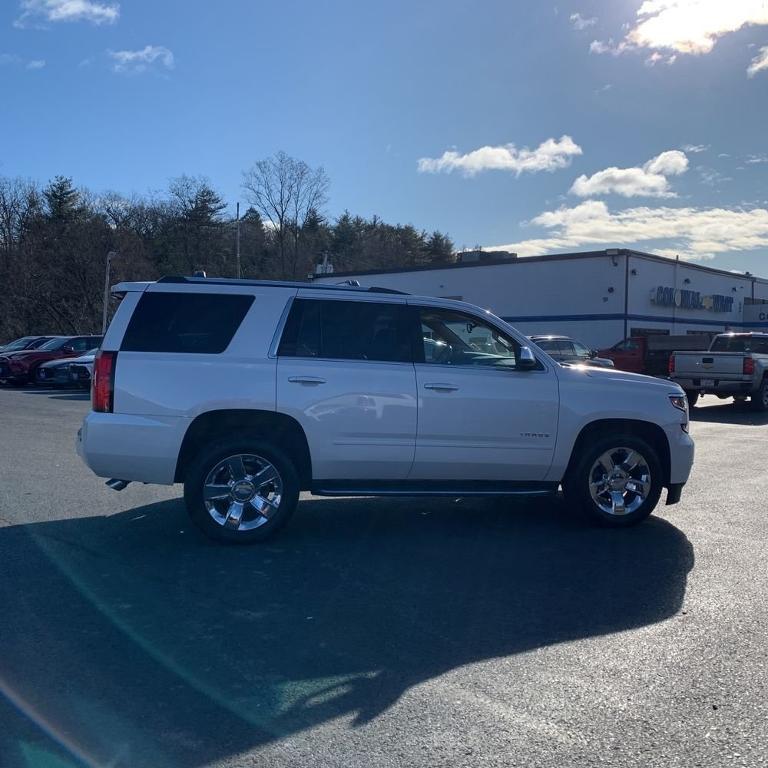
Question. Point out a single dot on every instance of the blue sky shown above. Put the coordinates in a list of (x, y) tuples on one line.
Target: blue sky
[(544, 127)]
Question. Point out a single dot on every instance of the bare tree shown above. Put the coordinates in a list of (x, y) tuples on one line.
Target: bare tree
[(286, 192)]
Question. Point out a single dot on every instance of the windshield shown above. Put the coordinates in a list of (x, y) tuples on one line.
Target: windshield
[(54, 344), (18, 344)]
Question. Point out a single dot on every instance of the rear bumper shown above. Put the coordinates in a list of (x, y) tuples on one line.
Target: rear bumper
[(736, 386), (138, 448)]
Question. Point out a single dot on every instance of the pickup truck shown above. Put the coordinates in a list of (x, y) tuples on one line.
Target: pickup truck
[(650, 354), (736, 365)]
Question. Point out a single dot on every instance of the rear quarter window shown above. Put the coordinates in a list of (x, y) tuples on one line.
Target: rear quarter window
[(200, 323)]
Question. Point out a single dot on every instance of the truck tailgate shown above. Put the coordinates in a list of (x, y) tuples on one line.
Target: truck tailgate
[(709, 364)]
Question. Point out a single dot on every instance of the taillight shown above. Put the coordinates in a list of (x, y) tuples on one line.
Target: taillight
[(749, 366), (671, 364), (103, 388)]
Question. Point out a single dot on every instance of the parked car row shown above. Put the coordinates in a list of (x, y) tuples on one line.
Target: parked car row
[(57, 360)]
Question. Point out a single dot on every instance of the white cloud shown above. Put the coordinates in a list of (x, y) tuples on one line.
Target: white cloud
[(657, 57), (693, 233), (711, 177), (12, 59), (650, 180), (759, 63), (550, 155), (597, 46), (580, 22), (685, 26), (696, 148), (757, 159), (68, 10), (141, 60)]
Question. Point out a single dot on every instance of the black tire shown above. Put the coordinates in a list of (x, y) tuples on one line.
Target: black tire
[(759, 399), (693, 397), (206, 462), (576, 487)]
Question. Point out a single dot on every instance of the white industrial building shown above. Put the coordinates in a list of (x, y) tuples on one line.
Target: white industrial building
[(598, 297)]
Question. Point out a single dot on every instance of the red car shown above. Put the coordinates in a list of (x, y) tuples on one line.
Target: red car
[(20, 367)]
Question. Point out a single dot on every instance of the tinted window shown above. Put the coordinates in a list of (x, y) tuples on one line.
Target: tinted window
[(453, 338), (185, 322), (348, 330), (553, 347), (80, 345), (54, 344), (756, 344)]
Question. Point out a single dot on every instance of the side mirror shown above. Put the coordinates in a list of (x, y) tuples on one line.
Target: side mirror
[(592, 354), (526, 361), (67, 348)]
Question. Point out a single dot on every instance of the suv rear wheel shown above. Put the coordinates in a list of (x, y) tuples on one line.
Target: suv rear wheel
[(617, 480), (241, 490)]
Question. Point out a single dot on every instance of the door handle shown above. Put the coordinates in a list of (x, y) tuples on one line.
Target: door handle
[(440, 387), (306, 380)]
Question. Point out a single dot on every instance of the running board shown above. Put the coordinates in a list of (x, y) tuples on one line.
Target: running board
[(431, 488)]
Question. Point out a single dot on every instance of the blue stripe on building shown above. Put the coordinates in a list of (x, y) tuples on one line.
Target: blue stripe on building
[(620, 316)]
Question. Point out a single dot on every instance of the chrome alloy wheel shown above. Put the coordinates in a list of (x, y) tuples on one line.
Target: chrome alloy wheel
[(242, 492), (620, 481)]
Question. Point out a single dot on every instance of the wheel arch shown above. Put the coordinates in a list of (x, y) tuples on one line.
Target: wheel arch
[(646, 430), (283, 430)]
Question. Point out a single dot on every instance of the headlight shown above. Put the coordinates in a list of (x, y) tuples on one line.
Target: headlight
[(679, 401)]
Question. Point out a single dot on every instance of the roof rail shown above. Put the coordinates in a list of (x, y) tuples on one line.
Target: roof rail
[(180, 279)]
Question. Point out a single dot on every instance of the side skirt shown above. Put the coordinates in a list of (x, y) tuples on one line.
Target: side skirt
[(430, 488)]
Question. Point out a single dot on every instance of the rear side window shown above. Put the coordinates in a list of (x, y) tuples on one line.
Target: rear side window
[(203, 323), (348, 330)]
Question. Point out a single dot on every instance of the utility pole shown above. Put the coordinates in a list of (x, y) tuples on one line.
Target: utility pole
[(111, 255), (237, 241)]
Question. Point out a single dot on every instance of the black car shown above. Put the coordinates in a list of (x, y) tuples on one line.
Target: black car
[(567, 350)]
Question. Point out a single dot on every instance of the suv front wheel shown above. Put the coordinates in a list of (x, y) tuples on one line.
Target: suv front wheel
[(240, 491), (617, 480)]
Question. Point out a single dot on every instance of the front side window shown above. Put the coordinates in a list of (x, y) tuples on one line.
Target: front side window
[(454, 338), (348, 330), (79, 345), (581, 351)]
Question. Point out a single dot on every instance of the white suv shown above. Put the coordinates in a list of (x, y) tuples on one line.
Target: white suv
[(249, 392)]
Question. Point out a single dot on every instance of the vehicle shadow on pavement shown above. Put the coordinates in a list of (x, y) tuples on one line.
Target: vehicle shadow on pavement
[(60, 393), (730, 413), (132, 640)]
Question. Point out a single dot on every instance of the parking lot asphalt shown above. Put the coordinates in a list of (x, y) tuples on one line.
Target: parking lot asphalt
[(379, 632)]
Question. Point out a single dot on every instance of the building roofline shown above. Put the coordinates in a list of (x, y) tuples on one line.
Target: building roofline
[(570, 256)]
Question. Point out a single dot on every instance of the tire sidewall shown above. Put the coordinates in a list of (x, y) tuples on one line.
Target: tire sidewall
[(758, 399), (578, 484), (206, 460)]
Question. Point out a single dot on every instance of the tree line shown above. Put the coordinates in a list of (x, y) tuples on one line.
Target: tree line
[(54, 240)]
